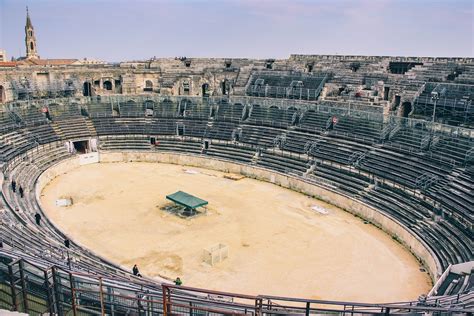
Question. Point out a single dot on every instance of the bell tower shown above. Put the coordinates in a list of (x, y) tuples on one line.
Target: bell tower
[(30, 39)]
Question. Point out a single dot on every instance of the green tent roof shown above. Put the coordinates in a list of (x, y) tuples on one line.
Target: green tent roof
[(187, 200)]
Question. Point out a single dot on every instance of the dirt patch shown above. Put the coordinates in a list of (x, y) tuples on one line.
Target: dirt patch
[(278, 244)]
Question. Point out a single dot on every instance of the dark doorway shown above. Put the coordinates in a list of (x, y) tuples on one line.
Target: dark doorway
[(81, 146), (149, 108), (148, 86), (386, 91), (399, 67), (397, 101), (118, 86), (87, 89), (225, 87), (205, 90), (2, 94), (183, 107), (107, 85), (180, 129), (406, 109)]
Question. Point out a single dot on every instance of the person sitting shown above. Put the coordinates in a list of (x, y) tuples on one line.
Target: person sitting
[(135, 271), (178, 281)]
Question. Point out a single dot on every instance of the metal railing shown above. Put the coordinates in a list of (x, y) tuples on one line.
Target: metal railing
[(35, 289)]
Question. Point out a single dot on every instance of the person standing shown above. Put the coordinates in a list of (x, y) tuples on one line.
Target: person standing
[(13, 185), (38, 219), (20, 190), (178, 281)]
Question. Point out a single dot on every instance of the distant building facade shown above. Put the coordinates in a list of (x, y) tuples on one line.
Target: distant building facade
[(87, 61)]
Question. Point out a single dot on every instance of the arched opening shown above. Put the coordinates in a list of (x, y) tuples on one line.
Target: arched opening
[(167, 108), (205, 90), (107, 85), (406, 109), (149, 108), (31, 46), (148, 86), (2, 93), (87, 89)]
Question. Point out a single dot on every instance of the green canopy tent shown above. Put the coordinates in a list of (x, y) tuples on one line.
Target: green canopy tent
[(189, 201)]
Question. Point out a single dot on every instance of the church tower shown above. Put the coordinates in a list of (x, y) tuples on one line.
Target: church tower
[(30, 39)]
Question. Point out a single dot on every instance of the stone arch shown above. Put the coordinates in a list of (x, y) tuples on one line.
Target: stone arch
[(107, 85)]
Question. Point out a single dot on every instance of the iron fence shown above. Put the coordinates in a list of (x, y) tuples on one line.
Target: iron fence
[(38, 290)]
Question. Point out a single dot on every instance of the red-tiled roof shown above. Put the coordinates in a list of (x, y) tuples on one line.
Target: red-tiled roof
[(50, 62), (8, 64)]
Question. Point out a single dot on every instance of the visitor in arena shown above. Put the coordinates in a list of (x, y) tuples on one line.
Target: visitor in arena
[(20, 189), (38, 219), (178, 281), (66, 243), (135, 271), (13, 185)]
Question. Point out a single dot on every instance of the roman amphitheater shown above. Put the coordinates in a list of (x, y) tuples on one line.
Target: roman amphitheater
[(308, 185)]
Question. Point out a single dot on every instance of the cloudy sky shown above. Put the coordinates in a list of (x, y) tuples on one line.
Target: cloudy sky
[(115, 30)]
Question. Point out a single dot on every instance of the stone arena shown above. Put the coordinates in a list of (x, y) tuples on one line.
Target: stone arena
[(334, 183)]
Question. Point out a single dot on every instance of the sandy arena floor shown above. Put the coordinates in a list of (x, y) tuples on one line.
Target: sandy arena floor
[(277, 244)]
